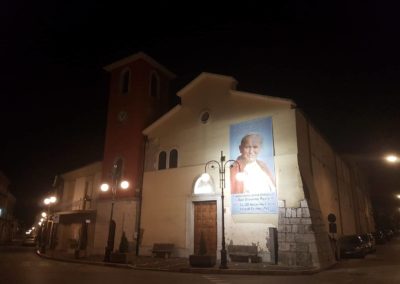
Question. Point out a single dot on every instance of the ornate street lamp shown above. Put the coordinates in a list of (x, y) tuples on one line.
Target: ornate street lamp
[(116, 183), (221, 164), (48, 201)]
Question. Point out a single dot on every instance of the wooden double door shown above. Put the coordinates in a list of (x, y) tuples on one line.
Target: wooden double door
[(205, 222)]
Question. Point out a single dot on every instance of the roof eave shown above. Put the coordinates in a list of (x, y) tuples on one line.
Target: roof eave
[(136, 56)]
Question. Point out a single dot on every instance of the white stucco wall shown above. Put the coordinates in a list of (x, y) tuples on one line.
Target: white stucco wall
[(74, 187), (285, 141), (347, 221), (124, 216), (164, 209)]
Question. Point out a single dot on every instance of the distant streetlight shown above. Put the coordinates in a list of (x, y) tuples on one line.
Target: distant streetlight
[(392, 158), (48, 201), (116, 183), (398, 196), (221, 164)]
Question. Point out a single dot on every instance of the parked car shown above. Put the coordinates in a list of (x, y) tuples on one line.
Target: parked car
[(369, 241), (352, 246), (389, 234), (379, 237)]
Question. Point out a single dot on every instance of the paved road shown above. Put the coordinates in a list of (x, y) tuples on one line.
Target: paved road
[(21, 266)]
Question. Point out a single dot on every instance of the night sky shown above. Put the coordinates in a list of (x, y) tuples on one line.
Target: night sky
[(339, 62)]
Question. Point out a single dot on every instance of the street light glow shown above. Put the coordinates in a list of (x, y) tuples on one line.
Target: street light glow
[(44, 214), (124, 184), (51, 199), (392, 158), (104, 187)]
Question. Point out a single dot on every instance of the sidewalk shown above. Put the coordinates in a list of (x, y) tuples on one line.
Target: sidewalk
[(174, 264)]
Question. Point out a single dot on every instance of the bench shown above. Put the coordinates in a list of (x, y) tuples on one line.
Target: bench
[(162, 250), (243, 253)]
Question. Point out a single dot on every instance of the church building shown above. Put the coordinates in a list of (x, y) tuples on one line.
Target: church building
[(226, 167)]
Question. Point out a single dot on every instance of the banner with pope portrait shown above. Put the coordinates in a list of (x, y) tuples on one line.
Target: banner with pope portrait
[(252, 176)]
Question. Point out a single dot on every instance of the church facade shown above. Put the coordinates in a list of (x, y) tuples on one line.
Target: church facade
[(310, 180)]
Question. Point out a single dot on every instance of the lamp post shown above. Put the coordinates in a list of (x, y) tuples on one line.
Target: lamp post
[(221, 164), (48, 201), (116, 183)]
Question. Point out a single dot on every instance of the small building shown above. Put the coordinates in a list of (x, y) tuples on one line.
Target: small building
[(72, 222)]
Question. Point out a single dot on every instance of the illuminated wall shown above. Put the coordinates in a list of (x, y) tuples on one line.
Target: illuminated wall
[(71, 195), (167, 214), (88, 179), (310, 180)]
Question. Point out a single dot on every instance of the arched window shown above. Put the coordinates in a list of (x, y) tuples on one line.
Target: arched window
[(173, 158), (125, 81), (154, 84), (117, 168), (162, 160)]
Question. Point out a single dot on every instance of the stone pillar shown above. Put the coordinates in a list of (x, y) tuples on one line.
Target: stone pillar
[(302, 237)]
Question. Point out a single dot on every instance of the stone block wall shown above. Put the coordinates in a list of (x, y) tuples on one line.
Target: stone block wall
[(302, 238)]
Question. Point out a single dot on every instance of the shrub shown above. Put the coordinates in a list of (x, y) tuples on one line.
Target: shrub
[(124, 244)]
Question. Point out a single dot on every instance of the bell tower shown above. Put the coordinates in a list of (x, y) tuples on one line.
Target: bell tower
[(138, 96)]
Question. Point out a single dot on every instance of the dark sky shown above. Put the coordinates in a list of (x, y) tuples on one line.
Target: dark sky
[(339, 62)]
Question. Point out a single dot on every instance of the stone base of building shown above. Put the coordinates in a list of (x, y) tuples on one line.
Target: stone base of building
[(302, 237)]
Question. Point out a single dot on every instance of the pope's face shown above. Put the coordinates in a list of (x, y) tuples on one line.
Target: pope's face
[(250, 148)]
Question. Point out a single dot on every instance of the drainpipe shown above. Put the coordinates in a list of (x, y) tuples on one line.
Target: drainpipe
[(139, 208)]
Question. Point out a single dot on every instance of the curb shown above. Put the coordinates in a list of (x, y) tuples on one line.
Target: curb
[(289, 272), (98, 263)]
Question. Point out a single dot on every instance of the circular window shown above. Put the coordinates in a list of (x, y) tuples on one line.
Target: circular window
[(204, 117)]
